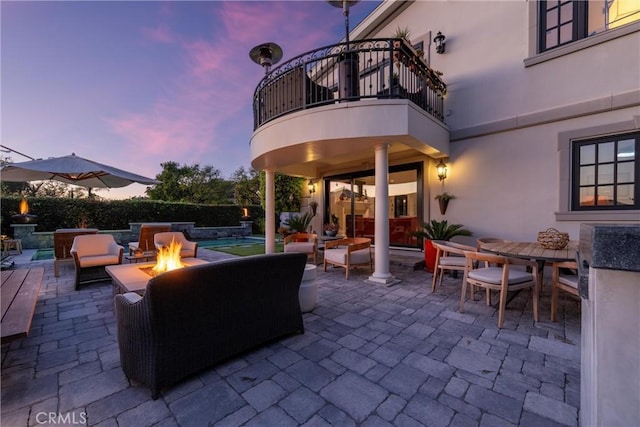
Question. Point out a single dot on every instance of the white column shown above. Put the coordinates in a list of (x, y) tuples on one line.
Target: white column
[(381, 272), (270, 212)]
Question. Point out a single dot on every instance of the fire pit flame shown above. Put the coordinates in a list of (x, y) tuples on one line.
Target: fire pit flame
[(24, 207), (24, 217), (169, 258), (245, 215)]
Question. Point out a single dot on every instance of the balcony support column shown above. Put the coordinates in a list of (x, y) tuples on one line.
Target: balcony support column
[(381, 272), (270, 212)]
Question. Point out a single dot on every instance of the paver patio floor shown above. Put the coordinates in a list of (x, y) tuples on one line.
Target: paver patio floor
[(370, 355)]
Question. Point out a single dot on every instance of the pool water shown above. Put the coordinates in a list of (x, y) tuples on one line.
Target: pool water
[(42, 254), (228, 242)]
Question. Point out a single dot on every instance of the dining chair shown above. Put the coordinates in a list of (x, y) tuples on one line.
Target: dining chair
[(497, 273), (449, 256), (562, 281)]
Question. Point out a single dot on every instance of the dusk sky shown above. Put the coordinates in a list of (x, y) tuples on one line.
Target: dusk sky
[(135, 84)]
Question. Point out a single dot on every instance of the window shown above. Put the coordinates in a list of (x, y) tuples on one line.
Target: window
[(604, 173), (565, 21)]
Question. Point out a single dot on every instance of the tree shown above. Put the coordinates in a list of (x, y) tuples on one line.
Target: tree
[(288, 191), (246, 187), (193, 184)]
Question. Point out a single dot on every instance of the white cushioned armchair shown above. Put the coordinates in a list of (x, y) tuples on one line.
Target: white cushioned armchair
[(188, 250), (348, 252), (91, 253), (305, 243)]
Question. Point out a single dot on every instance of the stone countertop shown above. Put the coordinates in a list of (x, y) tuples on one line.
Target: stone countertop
[(611, 246)]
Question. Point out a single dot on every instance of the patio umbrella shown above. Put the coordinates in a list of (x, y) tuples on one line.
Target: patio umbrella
[(72, 170)]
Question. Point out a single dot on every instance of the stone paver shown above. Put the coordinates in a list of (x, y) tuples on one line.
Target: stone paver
[(371, 356)]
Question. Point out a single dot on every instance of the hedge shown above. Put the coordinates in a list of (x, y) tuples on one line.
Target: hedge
[(54, 213)]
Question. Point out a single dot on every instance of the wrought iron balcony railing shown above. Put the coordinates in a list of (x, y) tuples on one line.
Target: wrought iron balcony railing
[(373, 68)]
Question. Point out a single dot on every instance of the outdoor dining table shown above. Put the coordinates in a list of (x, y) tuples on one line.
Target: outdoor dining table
[(533, 251)]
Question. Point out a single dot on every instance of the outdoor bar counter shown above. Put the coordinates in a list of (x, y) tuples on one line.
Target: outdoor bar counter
[(609, 263)]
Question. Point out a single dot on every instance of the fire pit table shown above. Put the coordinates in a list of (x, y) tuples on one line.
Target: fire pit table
[(134, 278)]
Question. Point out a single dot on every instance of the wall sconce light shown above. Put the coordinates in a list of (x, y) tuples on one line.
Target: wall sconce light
[(312, 187), (439, 41), (441, 169)]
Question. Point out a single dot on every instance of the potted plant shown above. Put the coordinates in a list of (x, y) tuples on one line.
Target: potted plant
[(300, 223), (437, 230), (400, 33), (443, 201), (332, 228)]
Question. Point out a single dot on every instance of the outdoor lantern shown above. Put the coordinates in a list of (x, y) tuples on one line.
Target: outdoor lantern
[(441, 168), (439, 41), (312, 187)]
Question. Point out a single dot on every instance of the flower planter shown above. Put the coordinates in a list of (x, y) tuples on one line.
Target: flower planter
[(429, 256), (443, 205)]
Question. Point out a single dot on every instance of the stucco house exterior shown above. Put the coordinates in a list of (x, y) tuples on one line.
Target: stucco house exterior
[(534, 107)]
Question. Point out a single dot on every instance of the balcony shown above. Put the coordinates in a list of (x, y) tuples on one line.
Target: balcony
[(374, 68), (331, 106)]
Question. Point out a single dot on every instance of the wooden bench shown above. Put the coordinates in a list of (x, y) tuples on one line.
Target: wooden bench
[(20, 289)]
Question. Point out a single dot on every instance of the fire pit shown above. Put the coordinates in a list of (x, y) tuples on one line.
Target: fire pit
[(245, 215), (24, 217), (168, 258)]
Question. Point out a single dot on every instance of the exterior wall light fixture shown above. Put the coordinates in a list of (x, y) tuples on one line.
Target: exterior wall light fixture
[(441, 169), (312, 187), (439, 41)]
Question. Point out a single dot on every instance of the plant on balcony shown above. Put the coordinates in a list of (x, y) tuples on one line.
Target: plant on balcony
[(400, 33), (443, 201)]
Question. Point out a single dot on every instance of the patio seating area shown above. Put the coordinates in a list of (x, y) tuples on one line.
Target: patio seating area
[(370, 354)]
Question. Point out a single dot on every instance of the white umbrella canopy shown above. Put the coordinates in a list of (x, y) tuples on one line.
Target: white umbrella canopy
[(72, 170)]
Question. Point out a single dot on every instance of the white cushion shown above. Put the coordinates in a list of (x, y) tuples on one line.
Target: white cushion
[(301, 247), (96, 260), (494, 275), (456, 261), (569, 280), (339, 255)]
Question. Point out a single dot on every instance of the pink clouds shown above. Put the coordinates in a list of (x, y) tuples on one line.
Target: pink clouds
[(201, 112)]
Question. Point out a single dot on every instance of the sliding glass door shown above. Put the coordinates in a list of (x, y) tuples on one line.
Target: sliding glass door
[(351, 199)]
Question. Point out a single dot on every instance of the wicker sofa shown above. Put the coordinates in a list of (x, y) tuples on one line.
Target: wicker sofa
[(193, 318)]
